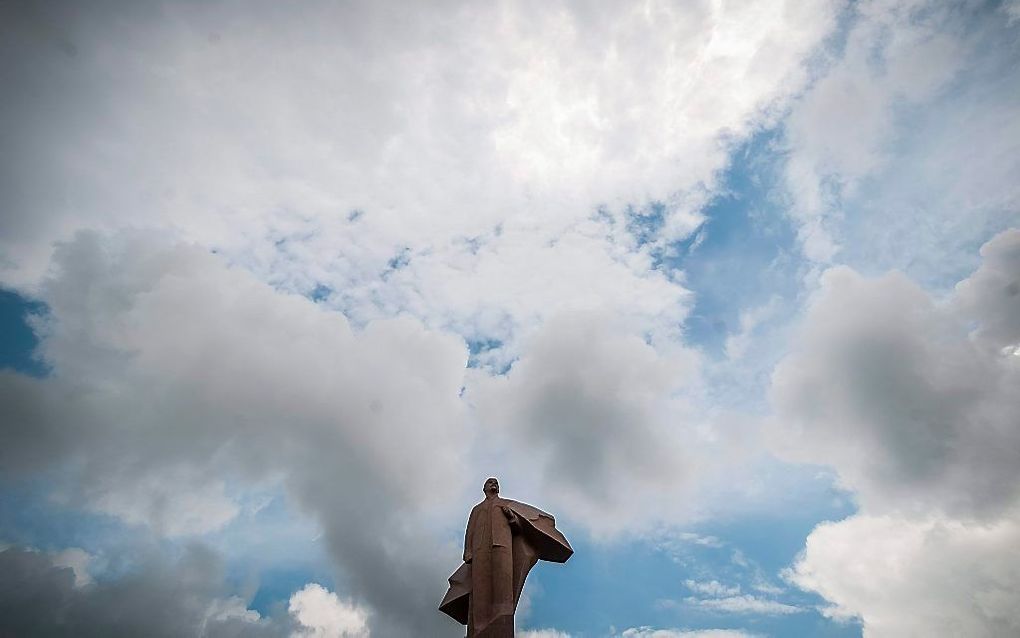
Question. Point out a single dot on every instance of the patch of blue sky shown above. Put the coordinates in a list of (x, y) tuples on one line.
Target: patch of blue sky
[(398, 261), (645, 223), (320, 292), (641, 582), (31, 517), (746, 250), (276, 585), (480, 353), (17, 339), (271, 551)]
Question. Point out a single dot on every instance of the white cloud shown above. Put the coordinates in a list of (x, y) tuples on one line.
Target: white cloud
[(699, 539), (173, 502), (542, 633), (648, 632), (751, 320), (322, 614), (711, 588), (78, 560), (717, 597), (916, 577), (745, 604), (475, 141)]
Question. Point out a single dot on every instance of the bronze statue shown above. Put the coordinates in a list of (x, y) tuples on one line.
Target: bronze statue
[(504, 540)]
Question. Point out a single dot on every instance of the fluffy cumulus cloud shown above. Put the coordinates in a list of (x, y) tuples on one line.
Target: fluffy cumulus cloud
[(913, 401), (889, 386), (322, 614), (917, 577), (595, 413), (172, 373), (991, 296)]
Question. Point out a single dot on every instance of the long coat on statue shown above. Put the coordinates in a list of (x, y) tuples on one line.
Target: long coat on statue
[(498, 554)]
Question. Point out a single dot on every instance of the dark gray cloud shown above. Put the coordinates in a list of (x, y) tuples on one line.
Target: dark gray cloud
[(153, 598), (890, 387), (991, 296), (604, 422)]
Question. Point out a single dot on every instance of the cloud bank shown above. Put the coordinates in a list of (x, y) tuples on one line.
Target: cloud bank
[(913, 401)]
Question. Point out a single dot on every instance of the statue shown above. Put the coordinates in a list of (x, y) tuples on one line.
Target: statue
[(503, 542)]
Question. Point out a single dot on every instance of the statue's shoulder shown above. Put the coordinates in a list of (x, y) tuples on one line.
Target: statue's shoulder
[(528, 511)]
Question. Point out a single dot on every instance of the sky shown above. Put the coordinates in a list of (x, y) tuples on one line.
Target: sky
[(730, 288)]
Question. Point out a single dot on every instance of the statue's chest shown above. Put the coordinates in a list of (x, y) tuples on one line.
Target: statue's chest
[(491, 526)]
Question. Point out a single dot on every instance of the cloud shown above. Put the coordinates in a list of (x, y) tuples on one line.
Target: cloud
[(174, 502), (916, 577), (542, 633), (839, 132), (78, 561), (751, 320), (711, 588), (468, 145), (913, 402), (648, 632), (173, 373), (593, 414), (991, 296), (745, 604), (916, 91), (39, 597), (887, 385), (323, 615), (466, 169), (714, 596)]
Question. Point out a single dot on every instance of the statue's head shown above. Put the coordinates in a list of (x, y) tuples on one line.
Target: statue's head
[(491, 487)]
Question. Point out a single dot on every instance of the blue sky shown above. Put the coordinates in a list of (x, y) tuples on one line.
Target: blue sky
[(731, 289)]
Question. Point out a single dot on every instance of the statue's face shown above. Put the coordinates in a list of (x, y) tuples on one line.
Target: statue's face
[(491, 486)]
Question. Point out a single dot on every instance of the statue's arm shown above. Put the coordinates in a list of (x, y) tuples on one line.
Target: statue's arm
[(511, 518)]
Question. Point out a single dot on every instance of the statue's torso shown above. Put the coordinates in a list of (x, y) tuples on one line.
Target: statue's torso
[(488, 526)]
